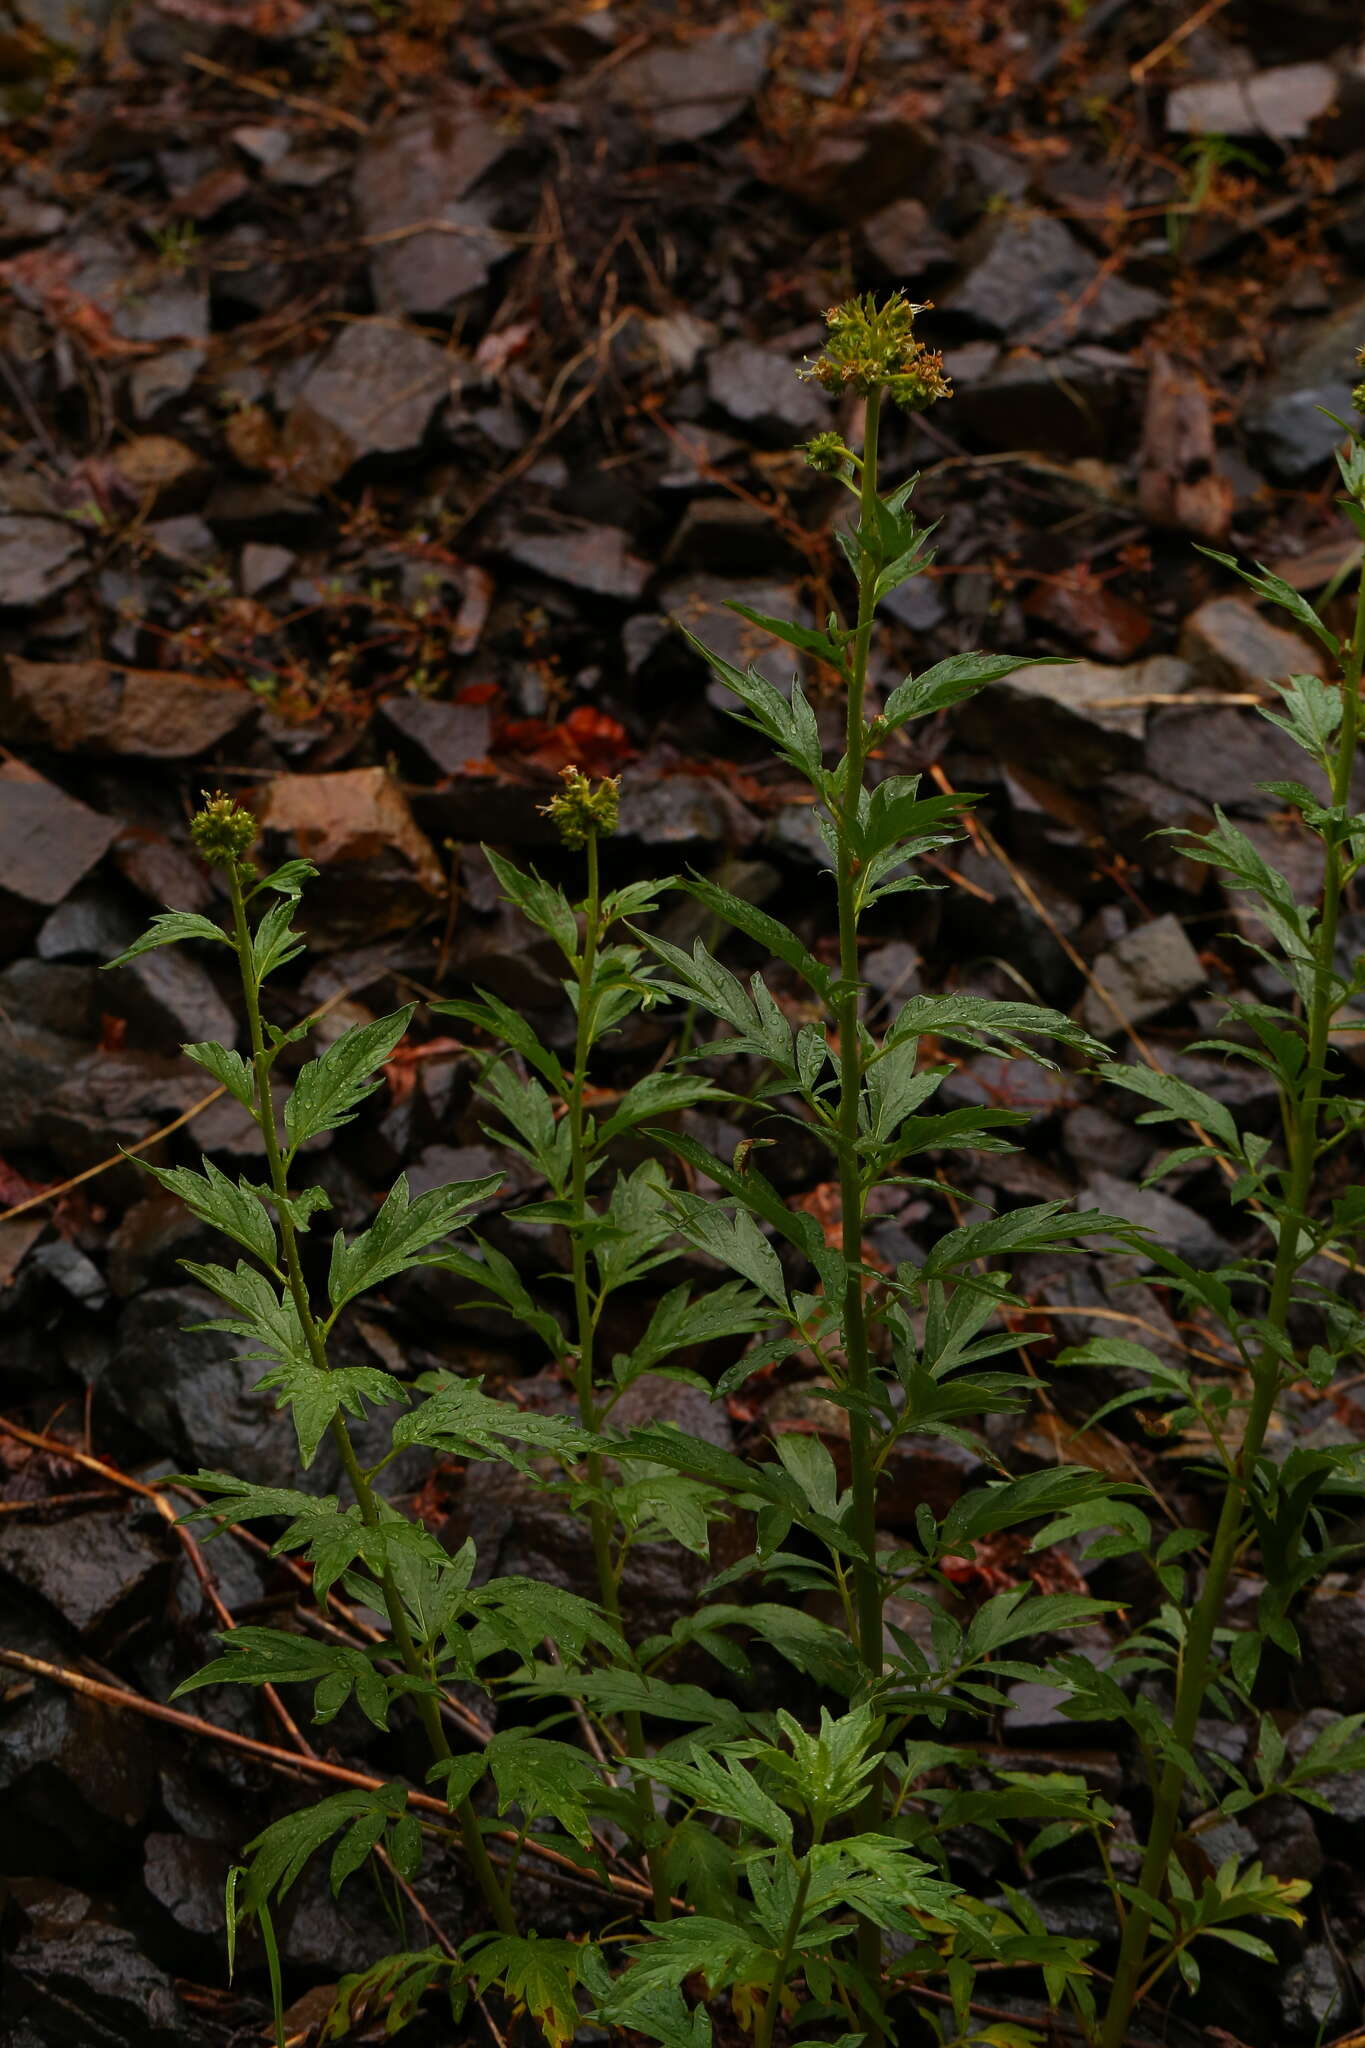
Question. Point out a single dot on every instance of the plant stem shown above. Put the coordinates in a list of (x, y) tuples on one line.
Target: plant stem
[(867, 1587), (1302, 1143), (598, 1520), (427, 1707), (767, 2019)]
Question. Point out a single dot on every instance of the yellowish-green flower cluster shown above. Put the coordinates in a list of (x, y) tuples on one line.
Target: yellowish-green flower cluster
[(1358, 395), (223, 832), (827, 452), (871, 348), (580, 812)]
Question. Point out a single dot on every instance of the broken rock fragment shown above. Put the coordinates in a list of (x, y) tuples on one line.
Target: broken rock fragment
[(681, 92), (48, 842), (372, 393), (97, 707), (1152, 967), (379, 871), (430, 244)]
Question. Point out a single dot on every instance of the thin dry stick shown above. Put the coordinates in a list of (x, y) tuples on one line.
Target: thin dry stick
[(63, 1187)]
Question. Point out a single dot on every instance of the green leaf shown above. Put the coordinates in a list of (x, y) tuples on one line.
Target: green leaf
[(499, 1286), (540, 1974), (286, 880), (168, 928), (270, 1656), (682, 1320), (281, 1851), (275, 942), (315, 1394), (492, 1015), (775, 938), (545, 906), (656, 1095), (1176, 1098), (228, 1068), (1266, 584), (234, 1209), (544, 1778), (732, 1237), (400, 1231), (808, 639), (329, 1089), (1311, 715), (719, 1784), (464, 1422), (948, 682), (791, 728)]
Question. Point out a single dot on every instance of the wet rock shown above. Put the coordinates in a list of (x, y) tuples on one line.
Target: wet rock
[(99, 708), (48, 843), (163, 871), (728, 536), (904, 241), (1315, 1998), (1286, 1839), (849, 169), (188, 1391), (1149, 970), (596, 559), (1062, 405), (756, 387), (700, 604), (988, 1079), (168, 999), (1090, 1135), (380, 873), (419, 171), (95, 1570), (51, 996), (1222, 755), (1138, 811), (158, 382), (1026, 272), (372, 393), (1077, 714), (186, 1878), (1332, 1625), (263, 566), (91, 1986), (73, 1784), (1108, 626), (38, 558), (1171, 1222), (681, 92), (1282, 102), (152, 1234), (676, 810), (449, 737), (1286, 417), (1230, 645)]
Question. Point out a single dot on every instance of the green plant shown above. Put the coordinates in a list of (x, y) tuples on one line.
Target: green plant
[(772, 1850), (1279, 1504), (1203, 162)]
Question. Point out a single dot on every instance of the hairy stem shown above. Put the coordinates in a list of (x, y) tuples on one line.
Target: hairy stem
[(867, 1587), (1302, 1137), (427, 1707), (599, 1521)]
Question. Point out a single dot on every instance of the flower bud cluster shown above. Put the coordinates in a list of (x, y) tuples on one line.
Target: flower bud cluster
[(222, 831), (872, 347), (580, 812)]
